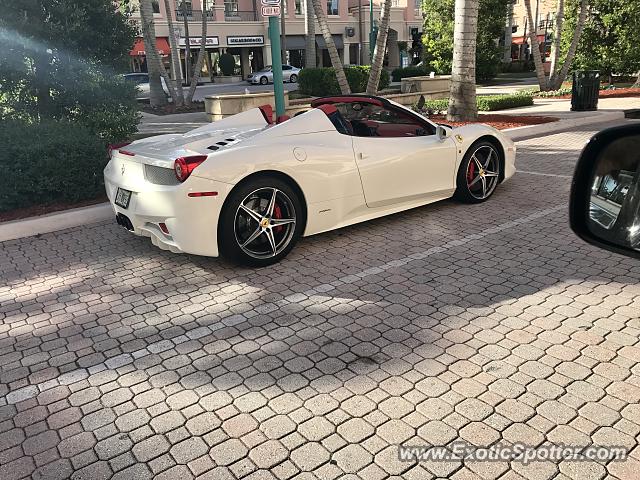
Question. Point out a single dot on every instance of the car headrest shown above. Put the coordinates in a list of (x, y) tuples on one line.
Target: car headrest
[(267, 112), (282, 118)]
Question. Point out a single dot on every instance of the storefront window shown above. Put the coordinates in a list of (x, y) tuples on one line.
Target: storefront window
[(156, 6), (298, 7), (332, 7)]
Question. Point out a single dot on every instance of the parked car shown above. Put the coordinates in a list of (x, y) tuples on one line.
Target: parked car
[(141, 81), (605, 193), (248, 188), (265, 76)]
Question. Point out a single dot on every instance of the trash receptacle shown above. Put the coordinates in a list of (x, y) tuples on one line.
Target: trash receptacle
[(585, 90)]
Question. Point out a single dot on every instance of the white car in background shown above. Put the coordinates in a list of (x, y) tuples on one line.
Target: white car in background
[(141, 81), (249, 188), (265, 76)]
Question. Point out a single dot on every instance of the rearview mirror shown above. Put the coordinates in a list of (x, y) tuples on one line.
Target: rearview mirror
[(605, 194), (442, 132)]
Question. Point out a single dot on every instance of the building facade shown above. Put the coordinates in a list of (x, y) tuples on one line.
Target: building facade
[(543, 13), (238, 27)]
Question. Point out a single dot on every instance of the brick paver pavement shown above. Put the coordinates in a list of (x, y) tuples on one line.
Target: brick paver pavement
[(485, 323)]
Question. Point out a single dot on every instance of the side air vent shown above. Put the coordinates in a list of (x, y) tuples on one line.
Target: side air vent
[(213, 147), (222, 144), (160, 175), (229, 139)]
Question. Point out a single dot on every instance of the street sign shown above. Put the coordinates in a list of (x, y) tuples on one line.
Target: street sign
[(271, 11)]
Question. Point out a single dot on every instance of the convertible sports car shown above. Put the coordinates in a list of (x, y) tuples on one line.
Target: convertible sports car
[(248, 188)]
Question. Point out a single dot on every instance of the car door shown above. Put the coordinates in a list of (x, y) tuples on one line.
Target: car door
[(403, 160), (286, 72)]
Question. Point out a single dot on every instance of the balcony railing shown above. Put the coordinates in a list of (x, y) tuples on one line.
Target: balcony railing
[(194, 15), (238, 16)]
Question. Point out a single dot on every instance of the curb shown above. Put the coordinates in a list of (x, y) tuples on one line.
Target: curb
[(55, 221), (521, 133)]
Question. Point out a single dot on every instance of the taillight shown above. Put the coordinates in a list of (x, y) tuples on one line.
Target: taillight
[(183, 166), (117, 146)]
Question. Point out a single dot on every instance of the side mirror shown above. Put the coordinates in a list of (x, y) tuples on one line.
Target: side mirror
[(442, 132), (605, 193)]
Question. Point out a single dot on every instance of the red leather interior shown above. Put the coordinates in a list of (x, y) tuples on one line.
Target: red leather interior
[(282, 118), (267, 112)]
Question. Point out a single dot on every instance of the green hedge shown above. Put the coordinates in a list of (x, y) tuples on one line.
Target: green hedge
[(486, 103), (490, 103), (53, 161), (319, 82), (412, 71)]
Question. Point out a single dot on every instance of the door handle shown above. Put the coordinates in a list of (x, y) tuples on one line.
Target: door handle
[(362, 156)]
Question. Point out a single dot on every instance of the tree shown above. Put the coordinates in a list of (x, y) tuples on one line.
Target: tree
[(154, 64), (438, 36), (197, 71), (175, 56), (60, 60), (610, 38), (557, 75), (381, 46), (331, 46), (310, 35), (462, 102)]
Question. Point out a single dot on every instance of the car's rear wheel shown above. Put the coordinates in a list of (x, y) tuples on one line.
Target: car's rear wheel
[(479, 173), (264, 80), (261, 221), (293, 78)]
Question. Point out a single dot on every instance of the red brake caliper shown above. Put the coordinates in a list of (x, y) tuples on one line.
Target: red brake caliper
[(470, 172), (277, 213)]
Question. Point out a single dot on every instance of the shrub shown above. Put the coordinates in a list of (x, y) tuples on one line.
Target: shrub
[(490, 103), (50, 161), (227, 64), (319, 82), (412, 71), (487, 103)]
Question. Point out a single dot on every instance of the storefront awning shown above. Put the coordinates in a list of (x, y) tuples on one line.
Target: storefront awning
[(162, 45), (298, 42), (522, 40), (336, 38)]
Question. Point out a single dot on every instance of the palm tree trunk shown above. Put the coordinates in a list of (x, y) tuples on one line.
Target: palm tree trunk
[(197, 71), (175, 57), (331, 46), (637, 82), (378, 53), (156, 93), (310, 39), (571, 52), (557, 38), (535, 49), (462, 101)]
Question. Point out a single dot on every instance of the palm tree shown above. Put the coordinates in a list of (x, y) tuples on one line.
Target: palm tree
[(462, 101), (557, 79), (331, 46), (197, 70), (154, 65), (381, 46), (310, 39), (557, 76), (175, 57)]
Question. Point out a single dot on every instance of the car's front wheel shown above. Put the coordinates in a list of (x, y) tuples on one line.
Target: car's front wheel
[(293, 78), (479, 173), (264, 80), (260, 222)]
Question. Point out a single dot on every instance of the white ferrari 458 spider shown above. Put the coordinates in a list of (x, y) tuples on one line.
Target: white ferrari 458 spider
[(248, 188)]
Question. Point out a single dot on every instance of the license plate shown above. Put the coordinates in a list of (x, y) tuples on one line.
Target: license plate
[(122, 198)]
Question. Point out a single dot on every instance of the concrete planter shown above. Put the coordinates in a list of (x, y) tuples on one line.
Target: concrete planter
[(426, 84), (227, 79), (218, 107)]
